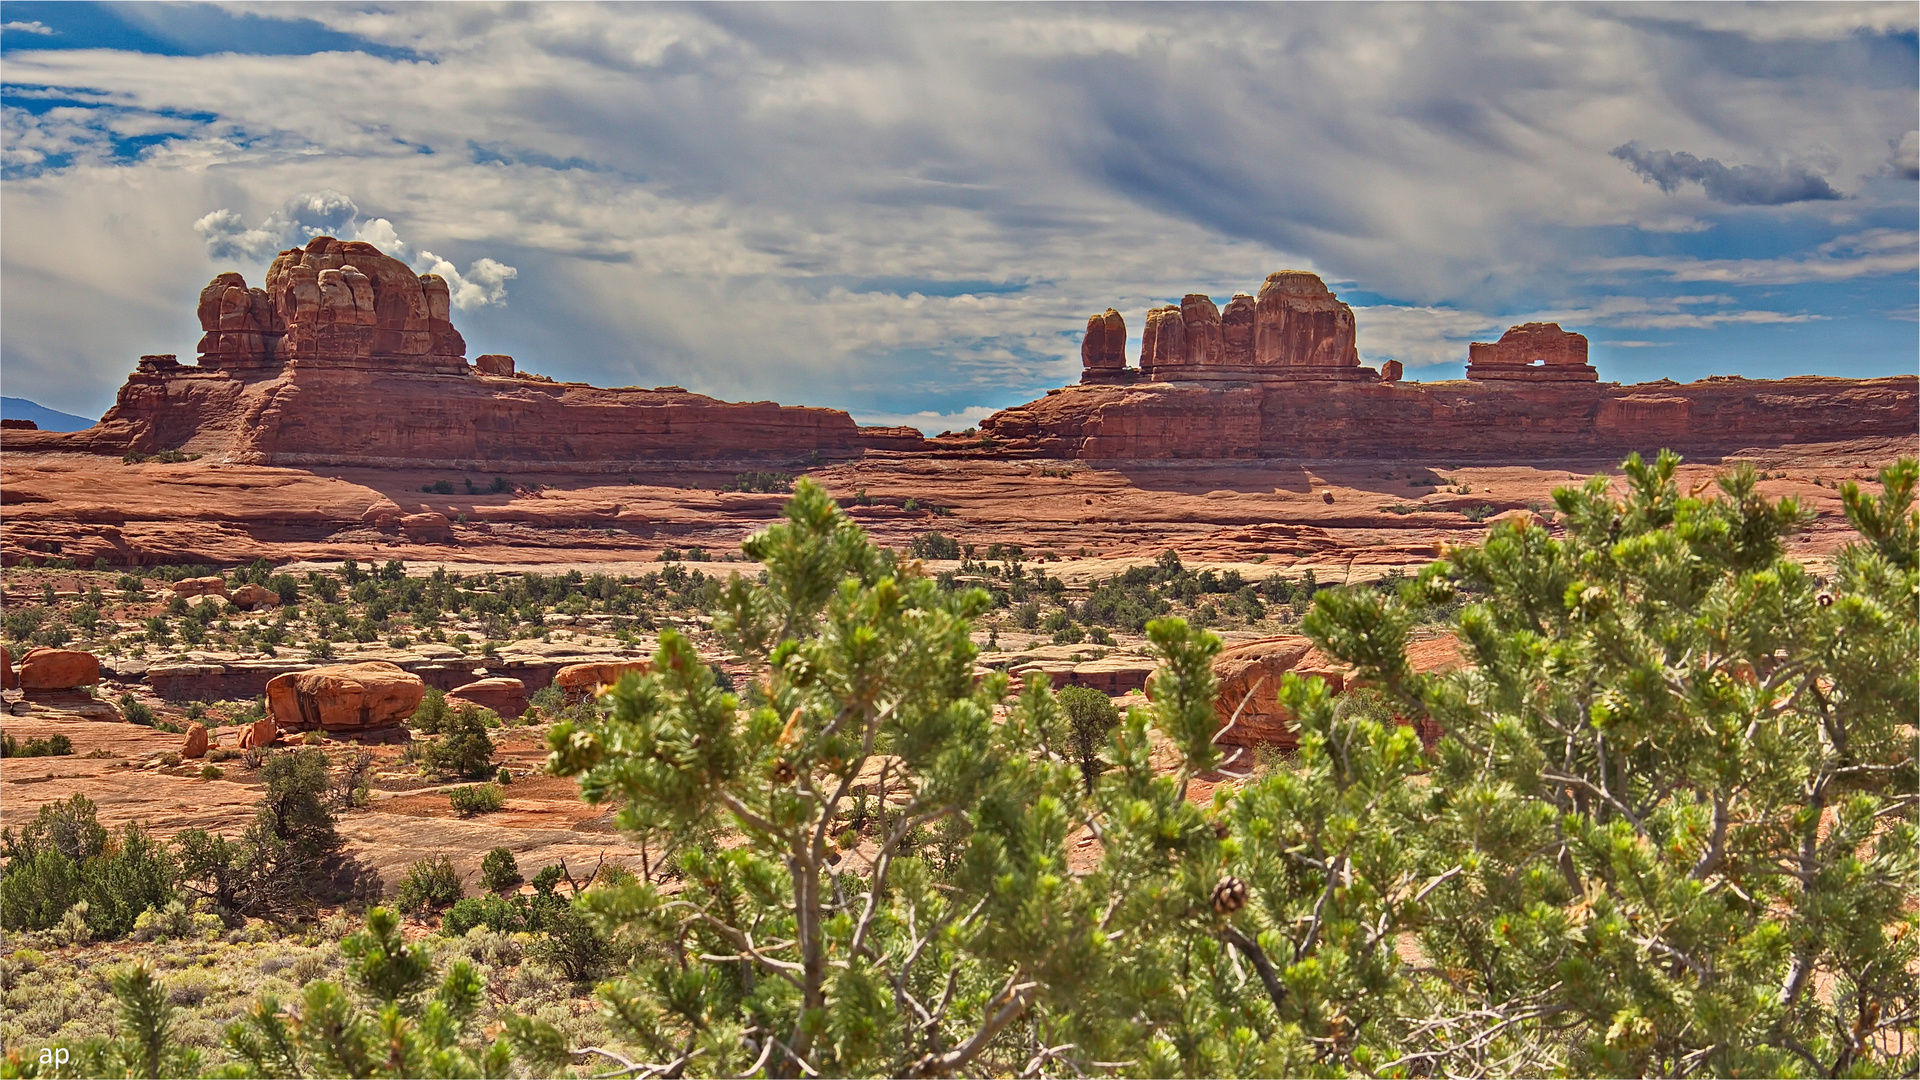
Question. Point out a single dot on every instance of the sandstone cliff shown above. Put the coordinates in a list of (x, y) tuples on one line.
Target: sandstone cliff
[(1461, 420), (349, 358)]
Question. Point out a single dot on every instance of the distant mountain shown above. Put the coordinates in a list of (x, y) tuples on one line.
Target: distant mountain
[(19, 408)]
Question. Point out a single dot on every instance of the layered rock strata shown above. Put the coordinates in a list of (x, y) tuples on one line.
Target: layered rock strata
[(349, 358), (1461, 420), (333, 301), (1295, 329), (344, 699), (1532, 352)]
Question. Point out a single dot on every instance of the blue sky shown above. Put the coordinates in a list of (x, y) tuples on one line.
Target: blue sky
[(908, 212)]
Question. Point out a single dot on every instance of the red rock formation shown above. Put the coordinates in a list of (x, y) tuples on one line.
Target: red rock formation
[(1534, 352), (579, 681), (344, 698), (348, 357), (18, 425), (6, 669), (261, 733), (195, 745), (1462, 420), (200, 586), (1163, 343), (1103, 352), (1296, 329), (332, 301), (507, 697), (57, 669), (1302, 330), (251, 596)]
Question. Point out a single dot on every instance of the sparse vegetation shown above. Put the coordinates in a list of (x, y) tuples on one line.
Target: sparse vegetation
[(475, 799), (1661, 823)]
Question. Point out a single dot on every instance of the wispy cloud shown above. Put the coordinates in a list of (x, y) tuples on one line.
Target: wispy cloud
[(1878, 253), (907, 209)]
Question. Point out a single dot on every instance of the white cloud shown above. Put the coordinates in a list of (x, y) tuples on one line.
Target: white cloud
[(485, 281), (332, 213), (930, 423), (908, 208), (1878, 253), (33, 27)]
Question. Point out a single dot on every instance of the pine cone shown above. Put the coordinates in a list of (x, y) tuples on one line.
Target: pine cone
[(1229, 896), (1221, 829), (783, 772)]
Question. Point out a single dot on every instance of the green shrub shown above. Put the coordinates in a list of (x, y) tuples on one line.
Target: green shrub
[(430, 885), (51, 746), (1090, 716), (289, 859), (475, 799), (135, 711), (500, 871), (65, 858), (431, 713), (933, 545), (501, 914), (462, 747)]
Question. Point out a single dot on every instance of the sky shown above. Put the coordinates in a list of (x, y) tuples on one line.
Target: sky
[(908, 212)]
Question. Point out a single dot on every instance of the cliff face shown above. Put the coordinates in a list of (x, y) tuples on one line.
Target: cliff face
[(1279, 376), (1467, 420), (349, 358)]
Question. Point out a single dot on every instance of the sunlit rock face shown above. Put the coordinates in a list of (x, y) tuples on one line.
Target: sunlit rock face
[(1532, 352), (333, 301)]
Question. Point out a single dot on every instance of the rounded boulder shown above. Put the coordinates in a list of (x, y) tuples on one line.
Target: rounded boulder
[(507, 697), (578, 681), (344, 697), (57, 669)]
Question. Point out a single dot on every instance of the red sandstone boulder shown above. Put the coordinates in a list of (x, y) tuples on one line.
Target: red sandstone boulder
[(196, 742), (427, 527), (57, 669), (201, 586), (1249, 677), (261, 733), (251, 596), (1523, 516), (578, 681), (10, 424), (508, 697), (6, 669), (494, 364), (344, 697)]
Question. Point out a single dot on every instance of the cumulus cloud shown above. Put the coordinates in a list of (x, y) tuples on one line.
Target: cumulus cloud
[(1906, 156), (33, 27), (1738, 185), (332, 213), (485, 281)]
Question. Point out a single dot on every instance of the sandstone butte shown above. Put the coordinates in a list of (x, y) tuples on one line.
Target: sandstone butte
[(321, 401)]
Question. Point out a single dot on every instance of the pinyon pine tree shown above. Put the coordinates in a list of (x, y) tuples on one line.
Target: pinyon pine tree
[(1669, 829)]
